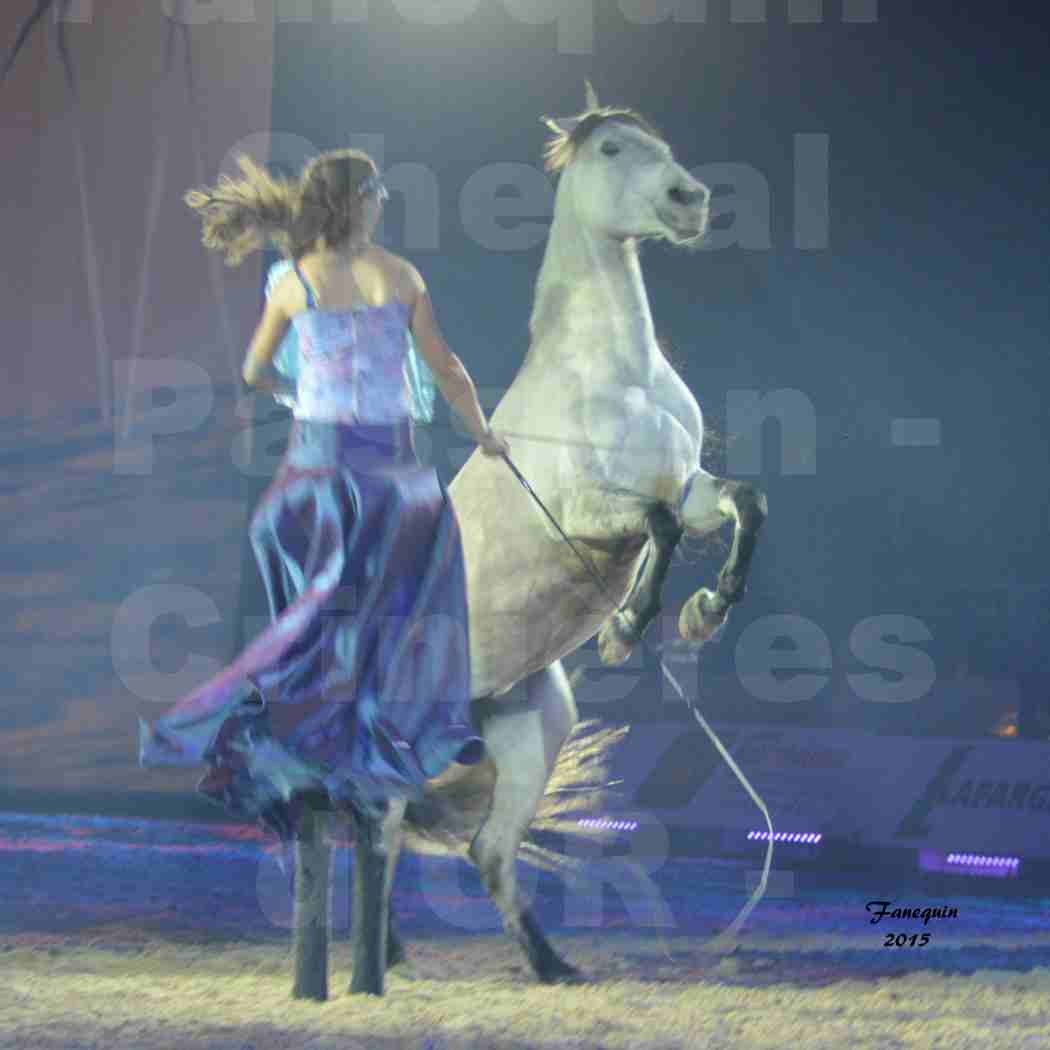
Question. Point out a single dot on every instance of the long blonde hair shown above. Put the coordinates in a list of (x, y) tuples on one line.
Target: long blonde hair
[(244, 215)]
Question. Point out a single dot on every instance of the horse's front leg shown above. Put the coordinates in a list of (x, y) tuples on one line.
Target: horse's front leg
[(707, 502), (392, 835), (376, 842), (310, 912), (625, 628)]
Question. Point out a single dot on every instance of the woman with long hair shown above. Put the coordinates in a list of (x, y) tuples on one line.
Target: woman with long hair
[(358, 690)]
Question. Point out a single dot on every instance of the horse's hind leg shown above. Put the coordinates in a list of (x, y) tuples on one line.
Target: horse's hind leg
[(708, 502), (522, 736), (624, 629)]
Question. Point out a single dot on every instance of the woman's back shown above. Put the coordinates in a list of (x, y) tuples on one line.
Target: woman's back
[(353, 321), (374, 277)]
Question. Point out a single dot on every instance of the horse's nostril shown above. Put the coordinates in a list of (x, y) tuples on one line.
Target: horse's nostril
[(687, 197)]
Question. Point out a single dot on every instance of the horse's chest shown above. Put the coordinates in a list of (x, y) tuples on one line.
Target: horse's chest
[(637, 433)]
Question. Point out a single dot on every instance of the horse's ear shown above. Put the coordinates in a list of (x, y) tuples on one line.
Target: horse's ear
[(592, 98), (561, 125)]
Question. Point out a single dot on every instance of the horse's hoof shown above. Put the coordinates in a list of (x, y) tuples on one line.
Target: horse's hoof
[(615, 639), (563, 973), (367, 984), (732, 587), (366, 991), (702, 615), (395, 956), (317, 995)]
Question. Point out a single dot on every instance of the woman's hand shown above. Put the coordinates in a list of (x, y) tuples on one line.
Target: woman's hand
[(493, 444), (285, 394), (281, 389)]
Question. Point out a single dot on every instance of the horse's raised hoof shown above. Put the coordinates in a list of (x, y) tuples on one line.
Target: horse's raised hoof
[(702, 615), (616, 639)]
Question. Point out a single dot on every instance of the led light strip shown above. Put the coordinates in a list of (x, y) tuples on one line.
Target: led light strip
[(785, 836)]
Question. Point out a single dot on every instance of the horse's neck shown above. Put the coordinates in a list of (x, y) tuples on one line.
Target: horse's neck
[(590, 300)]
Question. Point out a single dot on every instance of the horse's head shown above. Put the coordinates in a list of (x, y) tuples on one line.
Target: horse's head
[(622, 178)]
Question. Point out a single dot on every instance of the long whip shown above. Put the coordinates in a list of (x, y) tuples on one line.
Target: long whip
[(725, 940)]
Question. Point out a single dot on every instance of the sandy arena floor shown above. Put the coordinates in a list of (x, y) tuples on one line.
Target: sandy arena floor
[(142, 935)]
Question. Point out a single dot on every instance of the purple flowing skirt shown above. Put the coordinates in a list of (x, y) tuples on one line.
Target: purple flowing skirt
[(359, 689)]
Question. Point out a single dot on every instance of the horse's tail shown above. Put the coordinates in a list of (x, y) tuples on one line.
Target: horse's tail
[(449, 815)]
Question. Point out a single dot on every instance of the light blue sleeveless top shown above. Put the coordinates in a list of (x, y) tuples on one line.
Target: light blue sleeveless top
[(353, 366)]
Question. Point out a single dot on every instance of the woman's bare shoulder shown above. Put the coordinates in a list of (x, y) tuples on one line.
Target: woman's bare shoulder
[(287, 292), (408, 278)]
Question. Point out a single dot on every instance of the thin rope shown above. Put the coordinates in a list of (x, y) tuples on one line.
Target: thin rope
[(23, 33), (214, 265), (152, 217), (102, 353), (102, 346), (176, 25), (103, 370)]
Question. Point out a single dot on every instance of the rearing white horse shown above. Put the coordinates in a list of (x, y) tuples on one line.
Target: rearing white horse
[(609, 437)]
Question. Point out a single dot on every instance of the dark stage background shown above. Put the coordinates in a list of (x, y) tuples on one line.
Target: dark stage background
[(922, 297)]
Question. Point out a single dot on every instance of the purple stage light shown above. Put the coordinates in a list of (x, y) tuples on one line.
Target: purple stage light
[(810, 838), (983, 864), (981, 861), (605, 824)]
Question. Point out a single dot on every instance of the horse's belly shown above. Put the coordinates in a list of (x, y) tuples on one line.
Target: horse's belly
[(530, 599)]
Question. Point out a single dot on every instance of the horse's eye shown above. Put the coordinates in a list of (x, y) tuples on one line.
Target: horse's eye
[(610, 149)]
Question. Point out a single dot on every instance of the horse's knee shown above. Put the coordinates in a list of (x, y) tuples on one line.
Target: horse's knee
[(663, 525), (747, 503), (699, 509)]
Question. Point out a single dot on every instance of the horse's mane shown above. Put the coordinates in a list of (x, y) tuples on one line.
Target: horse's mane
[(560, 150)]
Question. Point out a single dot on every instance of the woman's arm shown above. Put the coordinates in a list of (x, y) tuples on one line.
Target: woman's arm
[(264, 345), (450, 374), (282, 389)]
